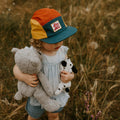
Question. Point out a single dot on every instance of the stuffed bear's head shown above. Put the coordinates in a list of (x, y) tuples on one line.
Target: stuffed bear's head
[(28, 61), (68, 66)]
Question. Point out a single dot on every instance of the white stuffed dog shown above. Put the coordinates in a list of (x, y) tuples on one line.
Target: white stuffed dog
[(67, 66)]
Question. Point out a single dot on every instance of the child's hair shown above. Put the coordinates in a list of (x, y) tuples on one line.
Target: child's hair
[(36, 43)]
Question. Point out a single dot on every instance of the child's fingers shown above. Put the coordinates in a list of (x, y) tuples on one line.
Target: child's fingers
[(62, 75), (64, 80), (34, 83), (34, 76), (35, 79), (64, 72)]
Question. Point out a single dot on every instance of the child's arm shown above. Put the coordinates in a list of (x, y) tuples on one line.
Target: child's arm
[(66, 76), (31, 80)]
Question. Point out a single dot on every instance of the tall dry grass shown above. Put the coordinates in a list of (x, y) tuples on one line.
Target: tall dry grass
[(95, 91)]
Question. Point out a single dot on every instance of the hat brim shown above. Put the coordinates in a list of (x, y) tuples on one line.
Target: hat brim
[(69, 31)]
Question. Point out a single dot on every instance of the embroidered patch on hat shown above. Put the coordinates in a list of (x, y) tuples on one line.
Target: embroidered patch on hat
[(56, 26)]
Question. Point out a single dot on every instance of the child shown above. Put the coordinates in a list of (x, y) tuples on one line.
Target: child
[(48, 32)]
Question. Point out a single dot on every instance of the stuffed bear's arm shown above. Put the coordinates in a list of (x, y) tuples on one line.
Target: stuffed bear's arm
[(45, 84)]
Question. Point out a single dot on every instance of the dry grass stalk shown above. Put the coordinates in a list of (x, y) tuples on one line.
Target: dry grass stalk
[(108, 92), (106, 108), (15, 111), (78, 84), (113, 81)]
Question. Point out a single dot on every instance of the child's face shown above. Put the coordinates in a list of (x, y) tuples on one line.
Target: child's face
[(51, 47)]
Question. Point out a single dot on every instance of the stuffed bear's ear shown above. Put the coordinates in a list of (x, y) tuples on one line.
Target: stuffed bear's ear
[(74, 69), (64, 63)]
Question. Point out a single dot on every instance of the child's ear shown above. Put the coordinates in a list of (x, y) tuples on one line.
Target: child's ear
[(74, 69), (64, 63)]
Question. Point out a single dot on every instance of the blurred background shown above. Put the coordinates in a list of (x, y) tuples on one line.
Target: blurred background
[(94, 49)]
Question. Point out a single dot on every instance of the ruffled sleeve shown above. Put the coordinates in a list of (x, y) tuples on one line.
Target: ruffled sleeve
[(64, 50)]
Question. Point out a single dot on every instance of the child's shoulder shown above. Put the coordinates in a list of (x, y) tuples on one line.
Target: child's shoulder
[(64, 49)]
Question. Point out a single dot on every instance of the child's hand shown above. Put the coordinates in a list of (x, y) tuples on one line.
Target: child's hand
[(31, 80), (66, 76)]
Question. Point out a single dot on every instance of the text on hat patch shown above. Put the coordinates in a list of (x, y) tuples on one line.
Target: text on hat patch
[(56, 26)]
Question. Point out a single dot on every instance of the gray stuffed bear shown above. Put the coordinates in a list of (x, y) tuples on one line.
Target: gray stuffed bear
[(29, 61)]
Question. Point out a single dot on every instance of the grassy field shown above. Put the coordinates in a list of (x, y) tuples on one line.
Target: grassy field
[(94, 49)]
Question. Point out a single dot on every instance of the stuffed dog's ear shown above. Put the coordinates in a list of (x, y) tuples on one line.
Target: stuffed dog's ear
[(74, 69), (64, 63)]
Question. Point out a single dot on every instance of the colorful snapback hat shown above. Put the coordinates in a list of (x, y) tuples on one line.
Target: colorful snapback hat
[(48, 26)]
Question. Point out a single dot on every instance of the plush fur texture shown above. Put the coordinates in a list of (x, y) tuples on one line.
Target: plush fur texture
[(29, 61), (67, 66)]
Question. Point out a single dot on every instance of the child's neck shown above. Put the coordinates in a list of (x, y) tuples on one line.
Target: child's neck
[(49, 53)]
